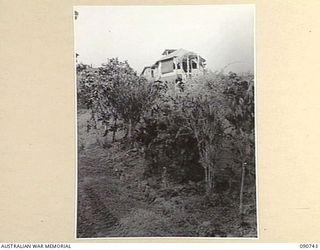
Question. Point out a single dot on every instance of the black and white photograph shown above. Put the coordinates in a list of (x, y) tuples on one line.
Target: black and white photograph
[(165, 113)]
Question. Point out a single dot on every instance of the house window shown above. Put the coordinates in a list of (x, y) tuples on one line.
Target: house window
[(167, 66), (194, 65)]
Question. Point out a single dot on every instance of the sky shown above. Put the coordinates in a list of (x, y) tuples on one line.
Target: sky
[(222, 34)]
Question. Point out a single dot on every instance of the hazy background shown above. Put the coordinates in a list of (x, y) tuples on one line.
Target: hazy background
[(222, 34)]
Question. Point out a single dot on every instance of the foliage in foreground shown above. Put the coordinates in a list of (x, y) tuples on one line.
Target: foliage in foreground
[(201, 133)]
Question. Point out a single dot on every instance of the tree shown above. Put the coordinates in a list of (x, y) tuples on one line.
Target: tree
[(240, 96), (117, 94), (193, 116), (205, 113)]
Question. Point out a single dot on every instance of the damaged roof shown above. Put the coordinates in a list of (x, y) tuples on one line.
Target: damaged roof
[(146, 67), (168, 50), (177, 53)]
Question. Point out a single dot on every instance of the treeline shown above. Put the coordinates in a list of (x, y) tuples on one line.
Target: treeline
[(199, 131)]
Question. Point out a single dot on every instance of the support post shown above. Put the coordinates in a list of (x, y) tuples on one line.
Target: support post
[(175, 65), (241, 188), (159, 71), (188, 66)]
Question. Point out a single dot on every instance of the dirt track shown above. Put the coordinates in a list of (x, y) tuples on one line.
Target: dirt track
[(113, 201)]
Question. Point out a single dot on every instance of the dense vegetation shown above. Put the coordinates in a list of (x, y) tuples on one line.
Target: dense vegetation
[(195, 138)]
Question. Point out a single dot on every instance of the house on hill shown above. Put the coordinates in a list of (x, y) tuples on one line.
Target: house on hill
[(175, 65)]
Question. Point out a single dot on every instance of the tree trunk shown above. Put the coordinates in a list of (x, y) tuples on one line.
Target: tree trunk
[(106, 131), (241, 189), (206, 179), (114, 130), (130, 129), (209, 179)]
